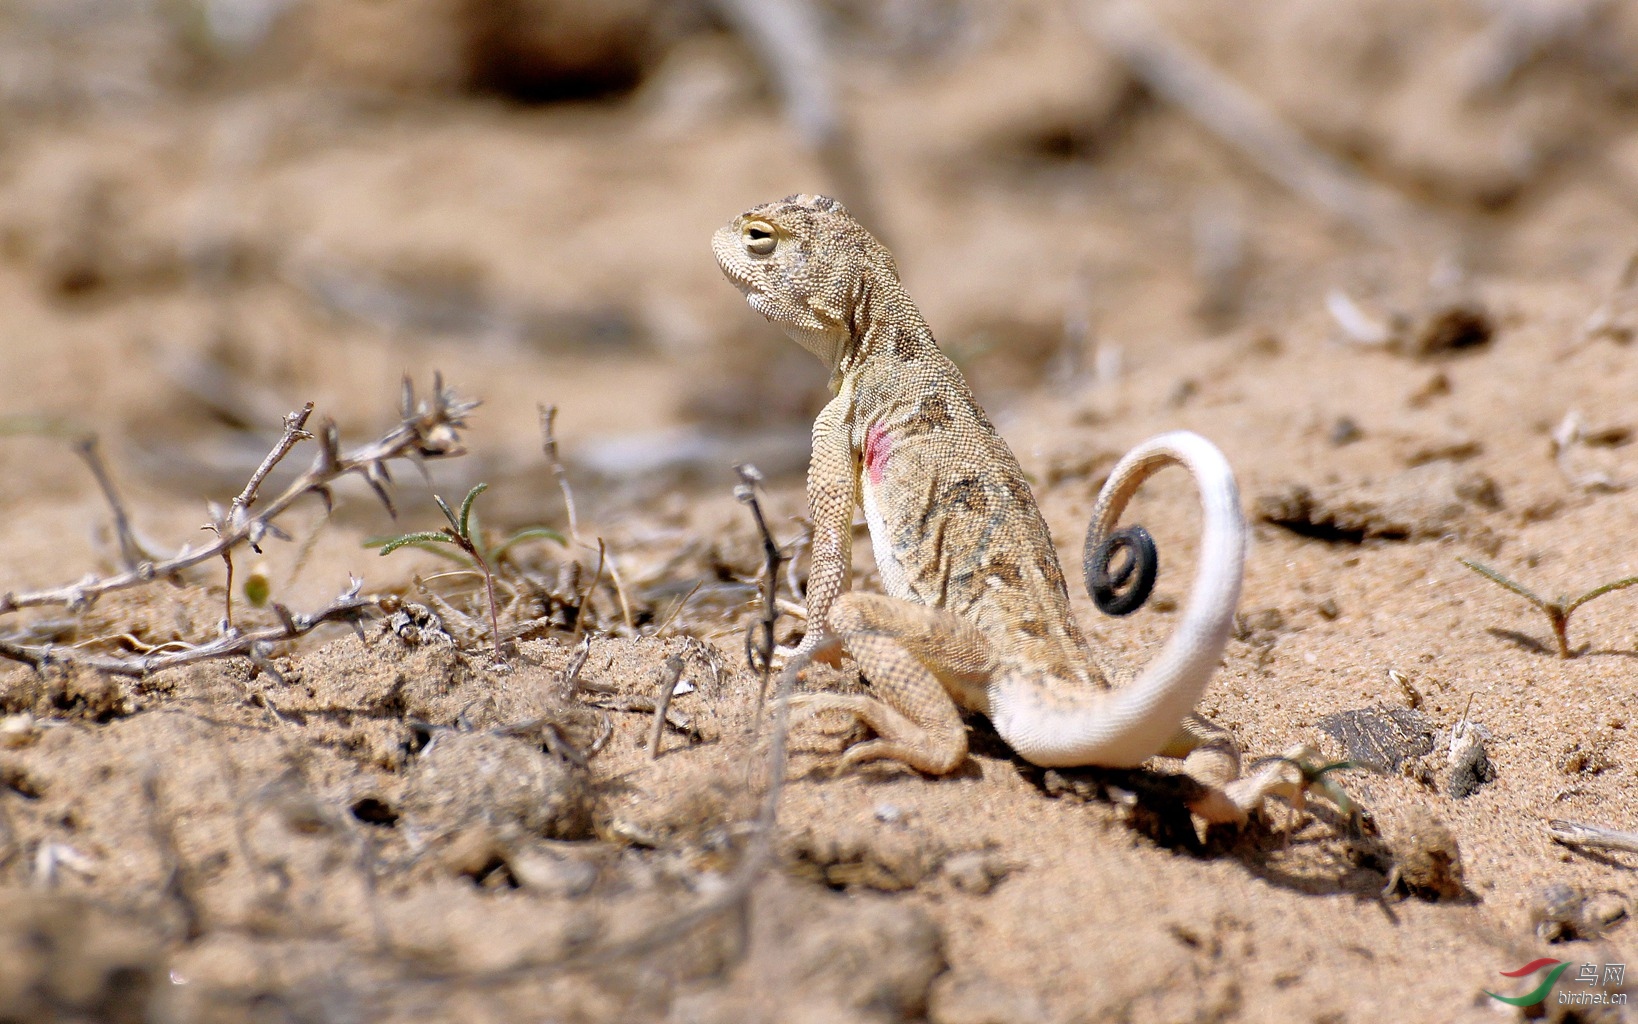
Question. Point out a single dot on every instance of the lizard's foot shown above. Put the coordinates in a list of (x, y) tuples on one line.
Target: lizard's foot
[(1211, 758), (827, 650), (898, 738), (1291, 777)]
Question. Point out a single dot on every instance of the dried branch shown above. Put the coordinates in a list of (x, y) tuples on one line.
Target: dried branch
[(427, 429), (760, 657), (619, 585), (1594, 837), (676, 609), (585, 598), (131, 553), (349, 607), (179, 887), (1225, 108), (662, 702), (548, 445), (788, 37), (577, 661), (293, 434), (640, 704)]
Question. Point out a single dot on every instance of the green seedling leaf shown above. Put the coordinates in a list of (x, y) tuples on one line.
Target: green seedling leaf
[(527, 534), (466, 508), (1558, 610), (454, 524), (422, 540), (1502, 581)]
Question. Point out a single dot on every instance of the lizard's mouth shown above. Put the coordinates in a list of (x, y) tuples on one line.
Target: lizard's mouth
[(725, 246)]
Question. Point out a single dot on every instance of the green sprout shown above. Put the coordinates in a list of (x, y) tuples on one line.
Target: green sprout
[(1558, 611), (471, 550)]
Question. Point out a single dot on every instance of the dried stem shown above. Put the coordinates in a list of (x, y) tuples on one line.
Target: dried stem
[(427, 429), (349, 607), (294, 433), (760, 658), (1575, 833), (676, 609), (548, 445), (577, 661), (131, 553), (662, 702), (619, 585), (1232, 113), (585, 598)]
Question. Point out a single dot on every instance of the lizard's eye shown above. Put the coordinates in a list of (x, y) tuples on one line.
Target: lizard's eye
[(759, 239)]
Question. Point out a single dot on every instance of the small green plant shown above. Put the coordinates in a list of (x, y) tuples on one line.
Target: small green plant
[(464, 535), (1558, 611)]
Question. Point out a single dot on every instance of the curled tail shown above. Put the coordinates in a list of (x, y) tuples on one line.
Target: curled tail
[(1124, 727)]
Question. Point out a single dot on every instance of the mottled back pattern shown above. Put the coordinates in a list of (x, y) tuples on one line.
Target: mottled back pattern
[(953, 522)]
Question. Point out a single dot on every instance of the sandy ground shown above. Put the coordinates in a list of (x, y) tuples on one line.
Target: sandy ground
[(391, 824)]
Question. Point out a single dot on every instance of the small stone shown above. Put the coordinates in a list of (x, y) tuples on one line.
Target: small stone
[(1426, 856), (1380, 738), (1557, 914), (889, 814), (463, 779), (1470, 767), (975, 872), (1345, 431), (551, 875)]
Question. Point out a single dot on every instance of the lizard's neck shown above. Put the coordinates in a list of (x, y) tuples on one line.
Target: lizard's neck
[(883, 324)]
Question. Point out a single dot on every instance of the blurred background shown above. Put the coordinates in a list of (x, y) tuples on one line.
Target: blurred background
[(213, 210)]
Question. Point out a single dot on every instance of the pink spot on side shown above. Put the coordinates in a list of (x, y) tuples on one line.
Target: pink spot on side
[(877, 445)]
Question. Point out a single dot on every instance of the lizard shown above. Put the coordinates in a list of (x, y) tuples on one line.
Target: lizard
[(976, 615)]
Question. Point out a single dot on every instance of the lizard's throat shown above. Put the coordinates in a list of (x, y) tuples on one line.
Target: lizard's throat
[(830, 346)]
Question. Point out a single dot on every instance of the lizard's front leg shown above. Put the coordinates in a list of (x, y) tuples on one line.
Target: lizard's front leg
[(833, 483), (923, 663)]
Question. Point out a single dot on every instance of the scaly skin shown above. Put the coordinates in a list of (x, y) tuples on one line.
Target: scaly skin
[(977, 612)]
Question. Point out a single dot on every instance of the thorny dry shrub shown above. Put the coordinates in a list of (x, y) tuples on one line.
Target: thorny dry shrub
[(380, 819)]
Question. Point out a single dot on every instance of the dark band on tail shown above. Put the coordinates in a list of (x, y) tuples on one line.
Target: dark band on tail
[(1123, 590)]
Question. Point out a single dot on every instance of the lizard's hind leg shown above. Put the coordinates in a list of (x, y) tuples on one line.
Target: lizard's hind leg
[(1212, 758), (923, 664)]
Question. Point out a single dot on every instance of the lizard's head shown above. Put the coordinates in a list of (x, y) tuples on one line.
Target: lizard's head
[(804, 263)]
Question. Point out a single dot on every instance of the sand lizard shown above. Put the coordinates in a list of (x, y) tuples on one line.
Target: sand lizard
[(977, 613)]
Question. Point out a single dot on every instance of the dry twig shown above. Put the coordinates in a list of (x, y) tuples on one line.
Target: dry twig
[(349, 607), (1225, 108), (662, 702), (548, 445), (428, 429), (131, 553), (760, 657), (1596, 837)]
